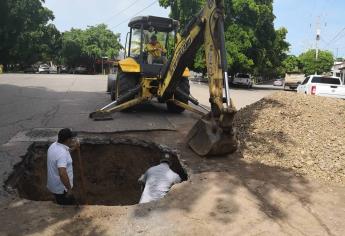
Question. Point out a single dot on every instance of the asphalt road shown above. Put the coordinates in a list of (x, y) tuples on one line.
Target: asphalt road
[(41, 101)]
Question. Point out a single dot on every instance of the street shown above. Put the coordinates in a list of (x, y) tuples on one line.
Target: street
[(31, 101)]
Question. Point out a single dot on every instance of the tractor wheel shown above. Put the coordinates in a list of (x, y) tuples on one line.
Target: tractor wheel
[(184, 86), (124, 82), (113, 90)]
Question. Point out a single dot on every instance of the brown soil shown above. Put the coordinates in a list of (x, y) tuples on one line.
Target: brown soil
[(111, 173), (305, 133)]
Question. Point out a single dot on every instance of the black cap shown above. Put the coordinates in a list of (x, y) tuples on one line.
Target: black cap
[(166, 158), (65, 134), (153, 37)]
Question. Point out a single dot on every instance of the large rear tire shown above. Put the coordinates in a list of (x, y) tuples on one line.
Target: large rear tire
[(123, 83), (113, 91), (184, 87)]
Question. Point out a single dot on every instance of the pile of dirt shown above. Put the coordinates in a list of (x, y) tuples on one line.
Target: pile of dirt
[(304, 133)]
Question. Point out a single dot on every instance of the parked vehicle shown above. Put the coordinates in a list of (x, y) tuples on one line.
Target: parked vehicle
[(79, 70), (243, 80), (30, 69), (278, 82), (64, 69), (44, 68), (53, 70), (327, 86), (292, 80)]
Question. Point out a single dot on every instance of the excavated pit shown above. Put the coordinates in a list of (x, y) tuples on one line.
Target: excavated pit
[(111, 171)]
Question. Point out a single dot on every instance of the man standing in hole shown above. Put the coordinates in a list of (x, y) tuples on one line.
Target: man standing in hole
[(60, 168), (158, 180)]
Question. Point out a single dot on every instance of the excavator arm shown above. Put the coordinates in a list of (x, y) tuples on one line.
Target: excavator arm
[(213, 134)]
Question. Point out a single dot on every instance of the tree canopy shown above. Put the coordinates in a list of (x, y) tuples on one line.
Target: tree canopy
[(85, 46), (290, 64), (25, 35), (252, 43), (311, 65)]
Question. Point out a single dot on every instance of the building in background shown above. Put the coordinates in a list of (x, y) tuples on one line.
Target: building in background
[(338, 70)]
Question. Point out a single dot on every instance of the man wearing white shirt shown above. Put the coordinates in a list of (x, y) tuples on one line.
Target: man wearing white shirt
[(60, 168), (158, 180)]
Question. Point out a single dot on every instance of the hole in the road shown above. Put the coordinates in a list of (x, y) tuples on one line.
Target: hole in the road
[(111, 172)]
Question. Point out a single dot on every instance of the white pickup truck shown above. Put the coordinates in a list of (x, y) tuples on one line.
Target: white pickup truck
[(319, 85), (243, 80), (292, 80)]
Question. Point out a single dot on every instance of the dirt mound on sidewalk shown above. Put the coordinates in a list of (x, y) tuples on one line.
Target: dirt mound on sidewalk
[(290, 130)]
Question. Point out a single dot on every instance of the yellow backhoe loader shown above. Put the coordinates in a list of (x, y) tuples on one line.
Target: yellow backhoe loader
[(138, 81)]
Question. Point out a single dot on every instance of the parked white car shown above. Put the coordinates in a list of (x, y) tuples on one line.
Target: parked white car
[(327, 86), (243, 80), (53, 70), (278, 82), (44, 68)]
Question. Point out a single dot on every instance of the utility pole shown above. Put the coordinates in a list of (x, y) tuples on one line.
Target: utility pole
[(318, 36), (103, 58)]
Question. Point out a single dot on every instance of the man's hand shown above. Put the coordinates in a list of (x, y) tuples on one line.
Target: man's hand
[(75, 145)]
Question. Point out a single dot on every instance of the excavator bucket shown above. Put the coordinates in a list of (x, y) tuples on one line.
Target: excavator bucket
[(210, 137)]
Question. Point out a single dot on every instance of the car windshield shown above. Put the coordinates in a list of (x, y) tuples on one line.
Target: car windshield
[(243, 76), (325, 80)]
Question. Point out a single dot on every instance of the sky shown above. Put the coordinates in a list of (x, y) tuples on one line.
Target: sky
[(300, 17)]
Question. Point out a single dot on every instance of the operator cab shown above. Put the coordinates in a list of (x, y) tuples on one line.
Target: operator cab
[(142, 28)]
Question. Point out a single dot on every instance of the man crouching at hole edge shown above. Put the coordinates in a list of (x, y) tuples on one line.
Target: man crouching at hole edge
[(60, 169), (158, 180)]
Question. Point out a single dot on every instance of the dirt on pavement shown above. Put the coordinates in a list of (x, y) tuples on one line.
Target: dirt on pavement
[(255, 191), (305, 133)]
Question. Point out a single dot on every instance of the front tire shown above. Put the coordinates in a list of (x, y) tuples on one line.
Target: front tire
[(184, 87), (113, 91), (123, 83)]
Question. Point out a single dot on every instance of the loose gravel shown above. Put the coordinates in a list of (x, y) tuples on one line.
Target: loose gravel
[(295, 131)]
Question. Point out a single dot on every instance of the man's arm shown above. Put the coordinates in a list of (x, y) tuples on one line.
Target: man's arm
[(64, 178), (177, 179), (161, 48), (149, 48), (62, 165)]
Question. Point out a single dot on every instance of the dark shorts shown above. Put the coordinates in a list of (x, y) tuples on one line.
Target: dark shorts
[(62, 199)]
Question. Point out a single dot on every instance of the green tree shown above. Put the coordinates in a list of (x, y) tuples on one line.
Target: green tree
[(86, 46), (252, 43), (291, 64), (24, 33), (311, 65), (43, 44)]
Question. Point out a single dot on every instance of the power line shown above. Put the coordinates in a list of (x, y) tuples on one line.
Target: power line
[(340, 37), (121, 11), (124, 21), (336, 36)]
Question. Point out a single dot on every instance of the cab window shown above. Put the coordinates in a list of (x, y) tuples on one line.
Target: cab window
[(306, 80)]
